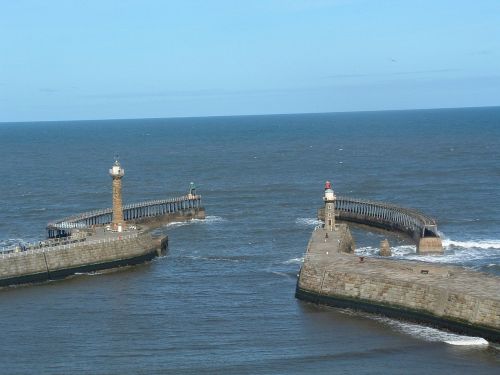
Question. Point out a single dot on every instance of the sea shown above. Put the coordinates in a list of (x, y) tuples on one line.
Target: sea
[(222, 300)]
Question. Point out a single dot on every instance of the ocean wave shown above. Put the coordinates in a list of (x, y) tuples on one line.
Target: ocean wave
[(39, 209), (458, 257), (215, 258), (207, 220), (10, 242), (294, 261), (400, 251), (455, 252), (430, 334), (453, 257), (95, 273), (470, 244), (420, 331), (468, 341), (176, 224), (307, 221)]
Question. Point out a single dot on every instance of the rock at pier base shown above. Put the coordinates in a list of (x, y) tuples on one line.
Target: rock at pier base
[(385, 249), (430, 245)]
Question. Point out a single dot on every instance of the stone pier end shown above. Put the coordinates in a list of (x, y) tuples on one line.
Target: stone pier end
[(430, 245)]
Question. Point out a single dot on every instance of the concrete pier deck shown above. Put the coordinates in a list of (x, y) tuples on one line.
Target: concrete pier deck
[(445, 296)]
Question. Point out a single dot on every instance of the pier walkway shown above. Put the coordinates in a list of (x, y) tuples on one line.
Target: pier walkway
[(132, 213), (444, 296)]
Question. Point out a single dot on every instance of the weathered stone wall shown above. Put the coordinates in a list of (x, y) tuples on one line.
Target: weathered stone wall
[(98, 253), (47, 261), (429, 245), (403, 294), (448, 296), (22, 264), (345, 240)]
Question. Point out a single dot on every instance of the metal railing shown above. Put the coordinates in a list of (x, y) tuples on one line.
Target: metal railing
[(36, 248), (131, 212), (384, 215)]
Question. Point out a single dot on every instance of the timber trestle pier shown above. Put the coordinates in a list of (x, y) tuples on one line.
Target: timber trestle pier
[(134, 213), (421, 228)]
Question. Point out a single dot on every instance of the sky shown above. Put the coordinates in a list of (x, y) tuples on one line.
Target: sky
[(76, 60)]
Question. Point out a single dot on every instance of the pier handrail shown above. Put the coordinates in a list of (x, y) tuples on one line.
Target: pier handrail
[(71, 220), (385, 215), (32, 248), (426, 220)]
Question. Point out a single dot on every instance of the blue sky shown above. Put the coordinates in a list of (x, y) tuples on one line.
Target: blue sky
[(64, 60)]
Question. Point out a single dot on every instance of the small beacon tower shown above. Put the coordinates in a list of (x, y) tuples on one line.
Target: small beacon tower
[(329, 199), (117, 172), (192, 191)]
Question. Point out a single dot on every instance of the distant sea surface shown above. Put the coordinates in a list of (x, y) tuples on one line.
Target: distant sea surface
[(222, 300)]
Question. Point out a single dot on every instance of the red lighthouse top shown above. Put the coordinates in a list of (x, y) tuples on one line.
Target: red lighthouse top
[(328, 185)]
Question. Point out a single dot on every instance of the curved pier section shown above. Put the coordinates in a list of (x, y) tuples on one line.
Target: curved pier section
[(444, 296), (421, 228)]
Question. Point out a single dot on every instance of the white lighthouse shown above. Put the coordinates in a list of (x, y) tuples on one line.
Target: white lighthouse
[(117, 172), (329, 199)]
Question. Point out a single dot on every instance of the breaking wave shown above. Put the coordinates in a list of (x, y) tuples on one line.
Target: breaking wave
[(10, 242), (294, 261), (401, 251), (457, 252), (431, 334), (207, 220), (307, 221), (421, 332), (481, 244)]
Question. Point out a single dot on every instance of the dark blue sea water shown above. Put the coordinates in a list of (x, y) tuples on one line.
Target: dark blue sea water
[(222, 301)]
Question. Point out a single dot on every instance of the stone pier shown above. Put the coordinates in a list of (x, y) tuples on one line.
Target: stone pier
[(443, 296)]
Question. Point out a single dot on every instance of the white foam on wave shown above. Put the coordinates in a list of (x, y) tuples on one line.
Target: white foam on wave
[(432, 334), (401, 251), (11, 242), (454, 252), (294, 261), (457, 257), (453, 257), (307, 221), (468, 341), (176, 224), (207, 220), (95, 273), (210, 220), (481, 244)]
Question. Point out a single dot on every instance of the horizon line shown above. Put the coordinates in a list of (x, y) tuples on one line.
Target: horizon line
[(249, 115)]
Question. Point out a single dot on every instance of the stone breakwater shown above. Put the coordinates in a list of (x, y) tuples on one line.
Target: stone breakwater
[(56, 262), (96, 250), (444, 296)]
